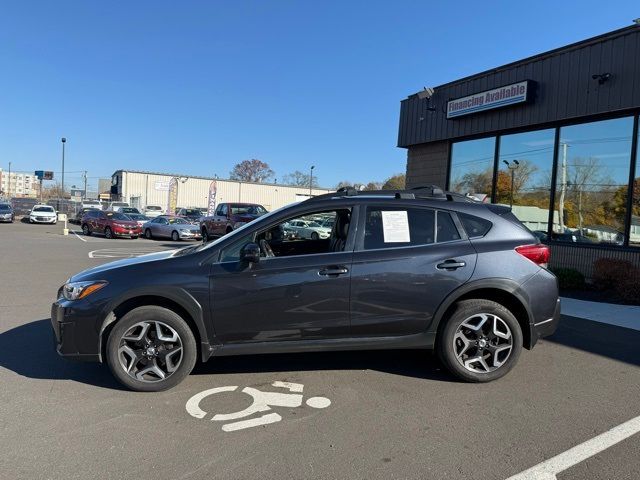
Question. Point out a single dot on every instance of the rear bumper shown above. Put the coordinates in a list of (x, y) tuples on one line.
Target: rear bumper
[(546, 327), (66, 335)]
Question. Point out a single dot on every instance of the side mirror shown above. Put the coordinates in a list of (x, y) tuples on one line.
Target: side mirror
[(250, 253)]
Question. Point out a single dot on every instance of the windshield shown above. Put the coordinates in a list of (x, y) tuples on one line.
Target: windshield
[(129, 210), (119, 204), (43, 209), (313, 225), (191, 211), (154, 208), (180, 221), (248, 210), (4, 207), (136, 216), (117, 216)]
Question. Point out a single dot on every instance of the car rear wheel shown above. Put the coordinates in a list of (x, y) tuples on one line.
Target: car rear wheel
[(108, 233), (229, 230), (85, 230), (481, 341), (151, 349), (147, 234), (205, 236), (174, 236)]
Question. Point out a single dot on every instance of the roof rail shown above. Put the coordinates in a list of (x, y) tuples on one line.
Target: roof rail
[(428, 191)]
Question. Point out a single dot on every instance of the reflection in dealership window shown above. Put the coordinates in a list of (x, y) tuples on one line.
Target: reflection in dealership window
[(472, 167), (524, 176), (592, 181), (634, 231)]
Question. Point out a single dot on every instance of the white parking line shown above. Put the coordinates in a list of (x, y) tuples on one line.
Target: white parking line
[(74, 232), (123, 252), (548, 469)]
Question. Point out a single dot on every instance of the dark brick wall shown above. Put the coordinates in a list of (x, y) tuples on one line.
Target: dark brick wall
[(427, 164)]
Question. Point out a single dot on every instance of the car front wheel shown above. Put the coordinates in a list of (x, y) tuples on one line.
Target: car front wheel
[(108, 233), (481, 341), (151, 349), (174, 236), (86, 230)]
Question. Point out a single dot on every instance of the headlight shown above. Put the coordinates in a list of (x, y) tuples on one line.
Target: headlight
[(238, 224), (78, 290), (185, 230)]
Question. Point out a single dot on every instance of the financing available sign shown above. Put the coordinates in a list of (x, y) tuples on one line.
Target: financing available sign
[(489, 99)]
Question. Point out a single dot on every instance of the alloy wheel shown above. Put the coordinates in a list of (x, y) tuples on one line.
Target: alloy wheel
[(483, 343), (150, 351)]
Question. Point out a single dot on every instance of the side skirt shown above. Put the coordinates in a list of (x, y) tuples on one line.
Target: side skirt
[(420, 340)]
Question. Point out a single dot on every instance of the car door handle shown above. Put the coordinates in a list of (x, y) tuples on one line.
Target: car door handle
[(330, 271), (451, 264)]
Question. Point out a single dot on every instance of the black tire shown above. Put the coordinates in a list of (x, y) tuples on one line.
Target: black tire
[(205, 235), (229, 230), (86, 230), (315, 236), (174, 236), (446, 345), (108, 233), (158, 314), (147, 234)]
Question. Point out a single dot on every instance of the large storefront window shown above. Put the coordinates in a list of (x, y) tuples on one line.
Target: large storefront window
[(472, 167), (524, 176), (592, 181), (634, 231)]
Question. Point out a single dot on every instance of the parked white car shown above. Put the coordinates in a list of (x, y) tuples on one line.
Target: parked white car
[(43, 214), (91, 204), (114, 205), (306, 229), (153, 211)]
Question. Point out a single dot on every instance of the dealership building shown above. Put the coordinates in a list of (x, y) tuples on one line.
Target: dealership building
[(140, 189), (554, 135)]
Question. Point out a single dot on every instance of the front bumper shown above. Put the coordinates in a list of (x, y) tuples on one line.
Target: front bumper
[(74, 335), (126, 232), (190, 236), (6, 218), (49, 220), (546, 327)]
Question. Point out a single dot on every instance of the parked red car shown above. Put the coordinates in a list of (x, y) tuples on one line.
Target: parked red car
[(228, 217), (110, 224)]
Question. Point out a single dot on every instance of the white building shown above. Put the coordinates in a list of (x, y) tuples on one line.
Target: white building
[(21, 184), (140, 189)]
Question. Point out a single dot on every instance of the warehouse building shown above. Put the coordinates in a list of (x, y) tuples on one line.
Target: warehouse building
[(140, 189), (555, 135)]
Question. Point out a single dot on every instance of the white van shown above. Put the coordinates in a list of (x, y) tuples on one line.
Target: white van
[(153, 211), (87, 203)]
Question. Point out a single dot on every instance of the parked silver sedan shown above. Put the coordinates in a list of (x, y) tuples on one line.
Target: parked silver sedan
[(175, 228)]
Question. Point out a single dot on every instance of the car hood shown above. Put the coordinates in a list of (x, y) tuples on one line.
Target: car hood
[(96, 272), (43, 214)]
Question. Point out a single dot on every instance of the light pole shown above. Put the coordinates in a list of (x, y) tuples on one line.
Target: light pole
[(512, 167), (63, 140), (311, 179)]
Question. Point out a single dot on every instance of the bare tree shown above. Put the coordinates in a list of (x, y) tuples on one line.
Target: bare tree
[(299, 179), (252, 171)]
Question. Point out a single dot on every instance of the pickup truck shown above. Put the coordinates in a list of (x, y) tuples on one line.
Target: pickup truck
[(228, 217)]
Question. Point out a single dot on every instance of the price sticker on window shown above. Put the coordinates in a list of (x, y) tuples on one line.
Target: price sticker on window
[(395, 226)]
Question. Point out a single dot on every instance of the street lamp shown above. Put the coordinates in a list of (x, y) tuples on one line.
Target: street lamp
[(311, 179), (63, 140), (512, 167)]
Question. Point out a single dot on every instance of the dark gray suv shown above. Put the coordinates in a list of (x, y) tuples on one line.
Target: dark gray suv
[(410, 269)]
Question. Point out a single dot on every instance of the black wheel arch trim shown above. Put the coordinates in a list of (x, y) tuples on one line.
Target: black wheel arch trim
[(177, 295), (506, 285)]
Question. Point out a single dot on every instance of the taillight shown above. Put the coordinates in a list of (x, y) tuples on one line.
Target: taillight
[(538, 254)]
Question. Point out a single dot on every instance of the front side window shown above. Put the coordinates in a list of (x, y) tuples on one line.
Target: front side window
[(472, 167), (299, 235), (592, 182)]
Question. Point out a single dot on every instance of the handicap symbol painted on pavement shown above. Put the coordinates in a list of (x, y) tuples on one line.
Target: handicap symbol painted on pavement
[(262, 402)]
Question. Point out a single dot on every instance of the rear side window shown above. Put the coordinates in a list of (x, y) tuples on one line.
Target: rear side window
[(475, 226), (398, 227), (446, 230)]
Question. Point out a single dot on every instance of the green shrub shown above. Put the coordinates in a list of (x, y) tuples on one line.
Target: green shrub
[(569, 278)]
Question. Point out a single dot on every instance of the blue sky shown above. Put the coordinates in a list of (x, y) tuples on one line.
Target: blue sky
[(196, 86)]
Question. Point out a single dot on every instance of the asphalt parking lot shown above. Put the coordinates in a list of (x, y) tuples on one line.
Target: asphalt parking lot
[(393, 414)]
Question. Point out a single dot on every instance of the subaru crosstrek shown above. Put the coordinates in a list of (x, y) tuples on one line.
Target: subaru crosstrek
[(411, 269)]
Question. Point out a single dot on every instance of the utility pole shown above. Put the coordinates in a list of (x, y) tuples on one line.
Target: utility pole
[(9, 183), (563, 187), (84, 196)]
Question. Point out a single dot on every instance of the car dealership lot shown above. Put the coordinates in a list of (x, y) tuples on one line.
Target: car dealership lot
[(393, 414)]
